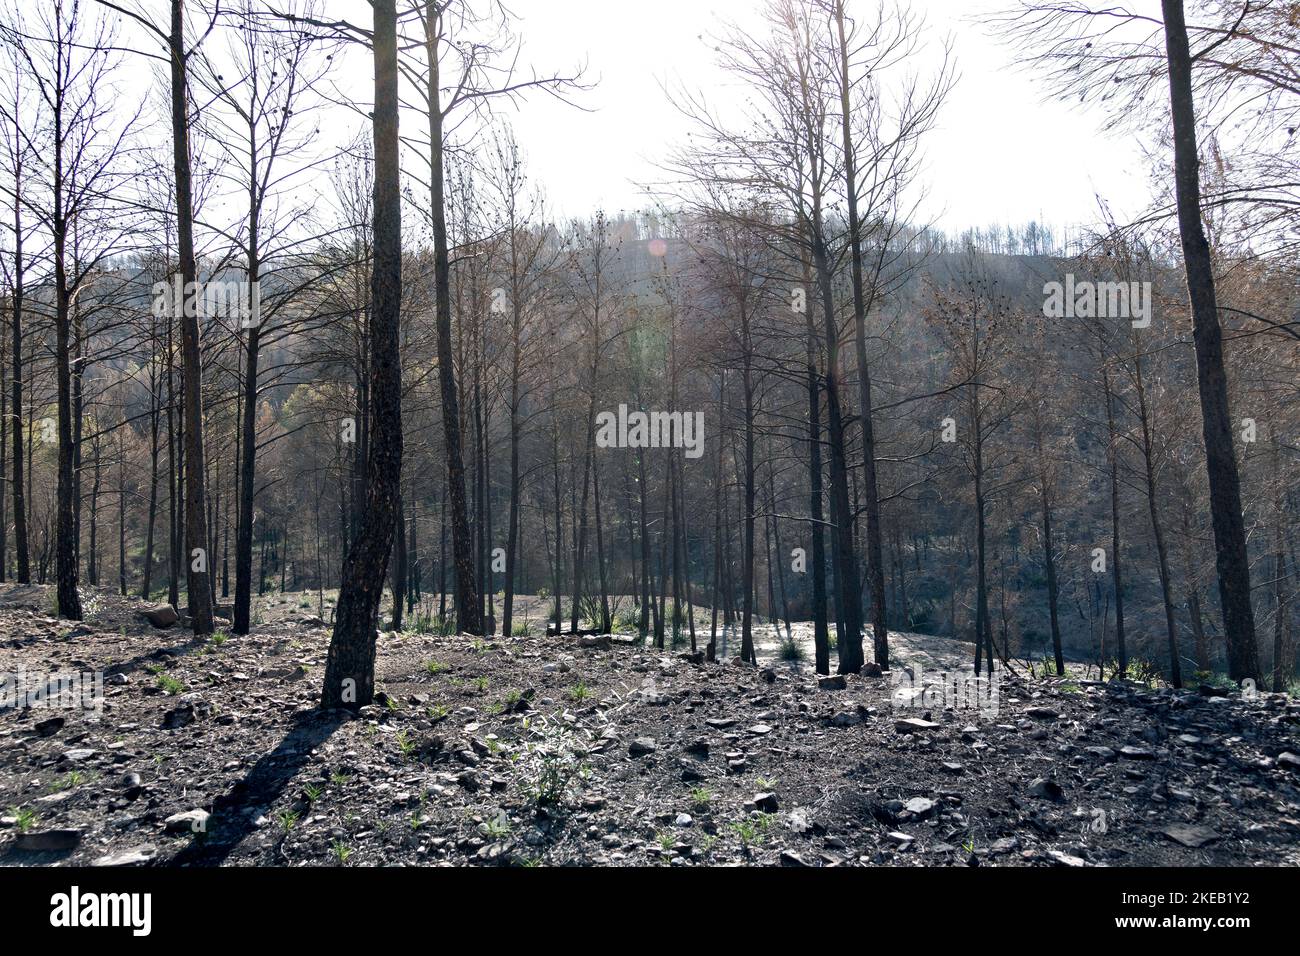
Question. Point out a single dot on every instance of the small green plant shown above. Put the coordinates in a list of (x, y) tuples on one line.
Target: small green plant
[(763, 783), (579, 692), (287, 818), (69, 780), (549, 761), (338, 777), (792, 652), (312, 792), (1141, 671), (495, 708), (481, 683), (665, 841), (627, 621), (497, 828), (437, 711), (519, 629), (436, 667), (700, 797), (26, 818), (341, 852), (404, 743), (218, 638), (169, 685), (752, 832)]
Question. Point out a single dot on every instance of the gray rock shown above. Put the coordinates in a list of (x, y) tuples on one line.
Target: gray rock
[(920, 807), (1189, 835), (1064, 859), (798, 821), (1137, 753), (914, 725), (190, 821), (765, 802), (834, 682), (1004, 845), (642, 746), (160, 615), (132, 857)]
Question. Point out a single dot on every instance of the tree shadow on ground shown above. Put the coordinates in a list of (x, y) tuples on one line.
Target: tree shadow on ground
[(234, 813)]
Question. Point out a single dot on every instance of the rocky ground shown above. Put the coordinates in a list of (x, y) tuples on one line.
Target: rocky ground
[(536, 750)]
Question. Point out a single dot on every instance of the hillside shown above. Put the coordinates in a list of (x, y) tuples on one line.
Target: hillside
[(551, 751)]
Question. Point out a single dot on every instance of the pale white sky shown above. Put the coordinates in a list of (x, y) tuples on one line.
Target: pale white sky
[(1000, 153)]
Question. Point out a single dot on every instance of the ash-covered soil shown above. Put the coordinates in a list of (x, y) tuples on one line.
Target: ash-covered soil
[(551, 751)]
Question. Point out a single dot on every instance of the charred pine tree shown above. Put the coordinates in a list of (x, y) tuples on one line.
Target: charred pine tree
[(350, 666), (1231, 557)]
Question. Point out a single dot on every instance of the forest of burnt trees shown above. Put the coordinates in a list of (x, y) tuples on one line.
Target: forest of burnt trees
[(401, 399)]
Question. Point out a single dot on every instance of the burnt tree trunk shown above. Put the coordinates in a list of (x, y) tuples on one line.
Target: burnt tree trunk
[(1121, 644), (20, 507), (1231, 558), (469, 609), (247, 476), (350, 666), (870, 485), (821, 631), (198, 590), (65, 534)]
